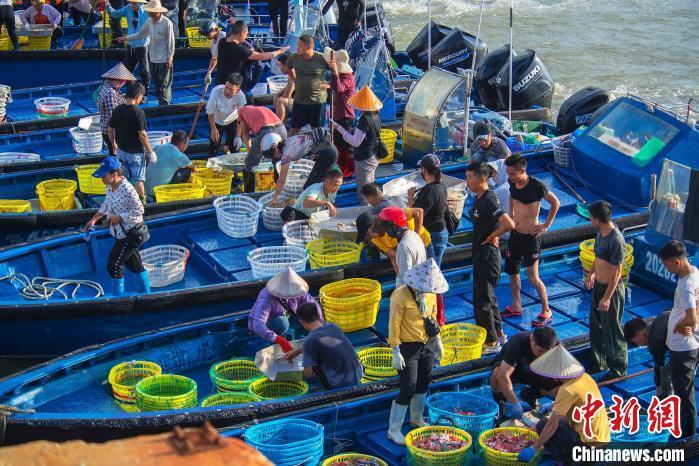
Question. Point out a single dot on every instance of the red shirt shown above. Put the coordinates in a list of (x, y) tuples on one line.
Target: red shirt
[(343, 89), (257, 117)]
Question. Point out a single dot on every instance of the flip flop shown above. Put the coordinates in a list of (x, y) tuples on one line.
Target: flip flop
[(510, 312), (542, 320)]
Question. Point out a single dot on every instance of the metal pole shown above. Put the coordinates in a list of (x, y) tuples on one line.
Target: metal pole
[(469, 82), (509, 111), (429, 34)]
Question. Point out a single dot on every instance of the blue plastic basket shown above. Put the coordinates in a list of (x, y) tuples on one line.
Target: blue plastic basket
[(642, 435), (443, 407), (288, 441)]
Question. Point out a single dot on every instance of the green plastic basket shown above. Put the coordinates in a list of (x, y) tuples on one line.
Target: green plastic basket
[(377, 362), (165, 392), (229, 399), (234, 375), (270, 390)]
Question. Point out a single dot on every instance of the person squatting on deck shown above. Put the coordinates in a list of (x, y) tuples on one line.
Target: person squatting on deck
[(413, 334), (524, 244), (275, 304), (173, 165), (161, 49), (124, 213), (654, 336), (315, 198), (489, 223), (254, 123), (109, 98), (222, 111), (307, 71), (607, 306), (136, 53), (486, 147)]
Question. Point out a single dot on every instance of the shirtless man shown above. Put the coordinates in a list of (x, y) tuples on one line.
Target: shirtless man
[(607, 308), (524, 245)]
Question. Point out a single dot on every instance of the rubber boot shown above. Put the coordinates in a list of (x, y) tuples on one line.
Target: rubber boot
[(143, 282), (395, 422), (117, 286), (417, 409)]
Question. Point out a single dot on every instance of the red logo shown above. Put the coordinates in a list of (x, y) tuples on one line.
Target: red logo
[(625, 415), (586, 412), (664, 415)]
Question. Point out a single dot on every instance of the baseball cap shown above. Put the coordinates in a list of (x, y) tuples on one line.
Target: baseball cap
[(270, 141), (481, 130), (429, 162), (364, 223), (108, 165), (394, 215)]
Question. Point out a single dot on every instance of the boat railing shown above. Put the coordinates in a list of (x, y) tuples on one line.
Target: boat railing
[(670, 110)]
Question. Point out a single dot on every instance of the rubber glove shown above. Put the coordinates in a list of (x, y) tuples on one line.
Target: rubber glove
[(438, 348), (237, 143), (546, 408), (283, 344), (398, 361), (152, 157), (514, 410), (526, 455)]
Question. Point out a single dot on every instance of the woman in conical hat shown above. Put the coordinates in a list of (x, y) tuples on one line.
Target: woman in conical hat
[(365, 138), (269, 316), (109, 97)]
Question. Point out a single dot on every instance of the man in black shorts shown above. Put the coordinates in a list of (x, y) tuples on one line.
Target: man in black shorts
[(524, 245), (511, 366), (306, 69)]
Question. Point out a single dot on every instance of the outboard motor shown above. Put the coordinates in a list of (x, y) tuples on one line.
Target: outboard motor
[(577, 109), (417, 49), (487, 74), (531, 83), (456, 51)]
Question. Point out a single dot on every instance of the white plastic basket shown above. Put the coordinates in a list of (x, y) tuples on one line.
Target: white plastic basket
[(7, 158), (271, 216), (166, 264), (86, 142), (237, 216), (269, 261), (298, 233), (455, 201), (277, 83), (296, 177), (51, 107), (157, 138), (561, 150)]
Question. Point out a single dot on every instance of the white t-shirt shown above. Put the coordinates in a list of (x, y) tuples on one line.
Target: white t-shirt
[(409, 253), (224, 110), (214, 43), (686, 297)]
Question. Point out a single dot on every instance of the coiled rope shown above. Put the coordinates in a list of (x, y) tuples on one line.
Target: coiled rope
[(45, 288), (5, 412)]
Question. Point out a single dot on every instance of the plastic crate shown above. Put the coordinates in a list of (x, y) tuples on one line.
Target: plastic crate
[(561, 150), (389, 137), (273, 390), (420, 457), (178, 192), (124, 376), (494, 457), (277, 83), (217, 183), (377, 363), (8, 158), (39, 43), (88, 183), (456, 200), (56, 194), (14, 206), (86, 142), (228, 399), (234, 375), (52, 107), (237, 216), (105, 40), (196, 40), (271, 216), (296, 177), (331, 253), (288, 442), (5, 44), (166, 264), (298, 233), (351, 304), (157, 138), (165, 392), (444, 408), (270, 260), (462, 342)]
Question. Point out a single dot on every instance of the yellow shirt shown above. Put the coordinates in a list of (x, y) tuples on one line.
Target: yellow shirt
[(405, 322), (571, 395), (385, 242)]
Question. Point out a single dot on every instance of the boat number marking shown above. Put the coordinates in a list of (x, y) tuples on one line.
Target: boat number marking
[(655, 266)]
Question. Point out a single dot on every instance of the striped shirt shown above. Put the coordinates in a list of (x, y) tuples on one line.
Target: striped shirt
[(109, 98)]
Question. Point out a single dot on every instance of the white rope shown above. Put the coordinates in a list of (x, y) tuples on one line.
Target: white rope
[(44, 288)]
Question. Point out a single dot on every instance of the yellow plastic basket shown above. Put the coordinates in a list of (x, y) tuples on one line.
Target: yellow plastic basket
[(341, 460), (267, 389), (105, 40), (462, 342), (58, 194), (124, 376), (587, 257), (88, 183), (14, 206), (494, 457), (351, 304), (199, 163), (377, 362), (389, 137), (324, 252), (196, 40), (419, 457), (178, 192), (5, 44), (217, 183), (228, 399), (166, 391), (235, 375), (39, 43), (108, 20)]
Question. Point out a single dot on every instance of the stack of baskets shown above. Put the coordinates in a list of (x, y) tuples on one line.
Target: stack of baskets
[(324, 252), (14, 206), (5, 97), (270, 260), (39, 36), (56, 194), (86, 142), (165, 264), (447, 408), (296, 177), (157, 138), (88, 183), (165, 392), (497, 458), (271, 216), (228, 399), (422, 457), (277, 83), (298, 233), (267, 389), (462, 342), (234, 375), (264, 177), (346, 459), (178, 192), (217, 183), (237, 216), (288, 442), (8, 158), (196, 40), (124, 376), (389, 137), (351, 304), (587, 258), (561, 149), (52, 107), (377, 363)]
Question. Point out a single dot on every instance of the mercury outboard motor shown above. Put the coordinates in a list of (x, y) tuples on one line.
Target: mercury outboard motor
[(486, 76), (417, 49), (531, 83), (456, 51), (577, 109)]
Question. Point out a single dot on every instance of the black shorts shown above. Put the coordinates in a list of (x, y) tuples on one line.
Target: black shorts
[(524, 375), (521, 248), (302, 115)]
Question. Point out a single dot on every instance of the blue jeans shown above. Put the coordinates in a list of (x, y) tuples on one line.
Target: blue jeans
[(438, 245), (279, 325), (134, 165)]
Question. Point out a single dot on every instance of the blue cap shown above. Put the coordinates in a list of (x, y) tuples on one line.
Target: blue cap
[(109, 164)]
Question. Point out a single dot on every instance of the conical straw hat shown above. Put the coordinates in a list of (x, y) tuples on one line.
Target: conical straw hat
[(557, 363), (287, 284), (120, 73), (154, 6), (426, 278), (365, 100)]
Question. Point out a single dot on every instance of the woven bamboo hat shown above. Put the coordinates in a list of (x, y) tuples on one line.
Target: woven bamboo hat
[(557, 363), (287, 284), (426, 278), (119, 73), (341, 58), (154, 6), (365, 100)]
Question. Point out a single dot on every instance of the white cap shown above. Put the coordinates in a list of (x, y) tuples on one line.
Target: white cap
[(270, 140)]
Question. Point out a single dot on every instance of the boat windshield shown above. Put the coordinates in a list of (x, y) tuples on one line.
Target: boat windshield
[(633, 132), (667, 211)]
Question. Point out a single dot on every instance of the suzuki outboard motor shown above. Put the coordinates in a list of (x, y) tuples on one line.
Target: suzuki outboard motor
[(417, 50), (487, 74), (456, 51), (531, 83), (577, 109)]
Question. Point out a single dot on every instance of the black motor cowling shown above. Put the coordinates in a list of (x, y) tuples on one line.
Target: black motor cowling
[(487, 74), (577, 109), (417, 49), (531, 83), (456, 51)]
